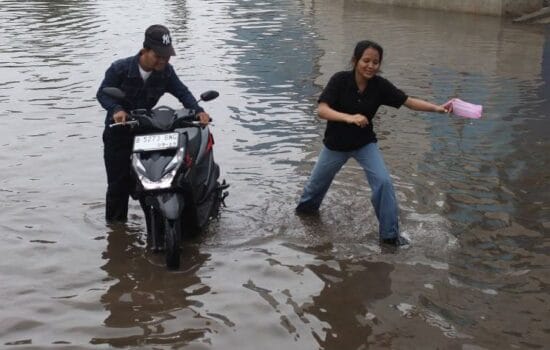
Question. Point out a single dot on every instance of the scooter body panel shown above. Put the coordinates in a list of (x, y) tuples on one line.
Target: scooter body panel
[(170, 204)]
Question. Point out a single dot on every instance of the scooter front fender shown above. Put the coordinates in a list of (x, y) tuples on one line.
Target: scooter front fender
[(170, 205)]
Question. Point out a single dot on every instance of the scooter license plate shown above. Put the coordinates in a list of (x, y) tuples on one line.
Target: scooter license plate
[(155, 142)]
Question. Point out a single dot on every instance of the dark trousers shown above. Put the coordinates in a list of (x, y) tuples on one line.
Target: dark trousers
[(117, 142)]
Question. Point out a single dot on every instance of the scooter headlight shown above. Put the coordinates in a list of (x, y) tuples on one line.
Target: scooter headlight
[(169, 171), (175, 162), (138, 165)]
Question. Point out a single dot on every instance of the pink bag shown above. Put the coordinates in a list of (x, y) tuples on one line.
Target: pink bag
[(464, 109)]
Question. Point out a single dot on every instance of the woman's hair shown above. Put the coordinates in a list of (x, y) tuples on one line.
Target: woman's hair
[(361, 47)]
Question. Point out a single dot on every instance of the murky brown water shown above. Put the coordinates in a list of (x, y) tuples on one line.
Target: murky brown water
[(474, 195)]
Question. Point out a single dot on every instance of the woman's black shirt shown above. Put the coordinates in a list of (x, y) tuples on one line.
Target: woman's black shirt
[(342, 95)]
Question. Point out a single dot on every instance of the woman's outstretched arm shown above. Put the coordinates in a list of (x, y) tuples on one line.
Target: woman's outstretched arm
[(425, 106)]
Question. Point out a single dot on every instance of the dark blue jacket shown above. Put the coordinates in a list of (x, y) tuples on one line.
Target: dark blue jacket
[(124, 74)]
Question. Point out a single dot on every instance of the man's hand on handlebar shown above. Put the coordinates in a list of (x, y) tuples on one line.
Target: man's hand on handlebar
[(204, 118), (120, 117)]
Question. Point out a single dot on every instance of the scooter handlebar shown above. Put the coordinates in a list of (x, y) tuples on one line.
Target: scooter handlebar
[(127, 123), (190, 121)]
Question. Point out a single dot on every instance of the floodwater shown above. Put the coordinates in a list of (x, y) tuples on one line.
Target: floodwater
[(474, 194)]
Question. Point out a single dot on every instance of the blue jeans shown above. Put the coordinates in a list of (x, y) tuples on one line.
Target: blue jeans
[(370, 159)]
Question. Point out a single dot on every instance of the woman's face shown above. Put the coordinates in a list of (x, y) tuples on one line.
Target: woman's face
[(369, 63)]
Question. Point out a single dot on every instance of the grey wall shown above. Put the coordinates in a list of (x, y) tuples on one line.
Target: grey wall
[(482, 7)]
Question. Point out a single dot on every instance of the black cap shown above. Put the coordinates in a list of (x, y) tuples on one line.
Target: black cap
[(157, 37)]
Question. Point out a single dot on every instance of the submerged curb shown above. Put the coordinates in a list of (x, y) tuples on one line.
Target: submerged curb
[(541, 16)]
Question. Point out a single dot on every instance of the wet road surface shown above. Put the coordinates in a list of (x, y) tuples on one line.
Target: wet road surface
[(473, 195)]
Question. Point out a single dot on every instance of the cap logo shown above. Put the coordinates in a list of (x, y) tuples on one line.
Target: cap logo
[(166, 39)]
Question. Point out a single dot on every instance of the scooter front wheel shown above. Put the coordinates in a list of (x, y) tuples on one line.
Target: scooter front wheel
[(172, 241), (155, 230)]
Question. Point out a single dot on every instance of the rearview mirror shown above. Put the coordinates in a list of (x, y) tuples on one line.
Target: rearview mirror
[(114, 92), (209, 95)]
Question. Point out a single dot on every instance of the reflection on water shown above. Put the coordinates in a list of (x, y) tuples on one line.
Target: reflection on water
[(343, 302), (473, 194), (142, 303)]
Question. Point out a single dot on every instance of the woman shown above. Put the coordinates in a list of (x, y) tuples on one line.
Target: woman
[(349, 103)]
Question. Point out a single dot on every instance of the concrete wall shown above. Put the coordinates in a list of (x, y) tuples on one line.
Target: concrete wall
[(480, 7), (520, 7)]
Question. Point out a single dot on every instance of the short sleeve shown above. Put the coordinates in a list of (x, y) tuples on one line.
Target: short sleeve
[(391, 95), (330, 93)]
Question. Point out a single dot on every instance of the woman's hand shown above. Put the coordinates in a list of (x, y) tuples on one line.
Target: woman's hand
[(447, 107), (441, 109), (357, 119), (327, 113)]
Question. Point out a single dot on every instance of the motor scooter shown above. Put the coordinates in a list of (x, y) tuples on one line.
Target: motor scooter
[(177, 180)]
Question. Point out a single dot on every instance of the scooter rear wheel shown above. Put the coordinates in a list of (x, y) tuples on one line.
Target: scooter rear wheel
[(172, 241)]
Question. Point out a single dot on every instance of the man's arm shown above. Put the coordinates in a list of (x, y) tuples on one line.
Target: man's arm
[(115, 111), (112, 79), (181, 92)]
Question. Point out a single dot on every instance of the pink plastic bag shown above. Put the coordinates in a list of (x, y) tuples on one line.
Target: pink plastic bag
[(464, 109)]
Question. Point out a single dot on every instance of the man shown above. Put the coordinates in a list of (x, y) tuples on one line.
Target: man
[(144, 78)]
